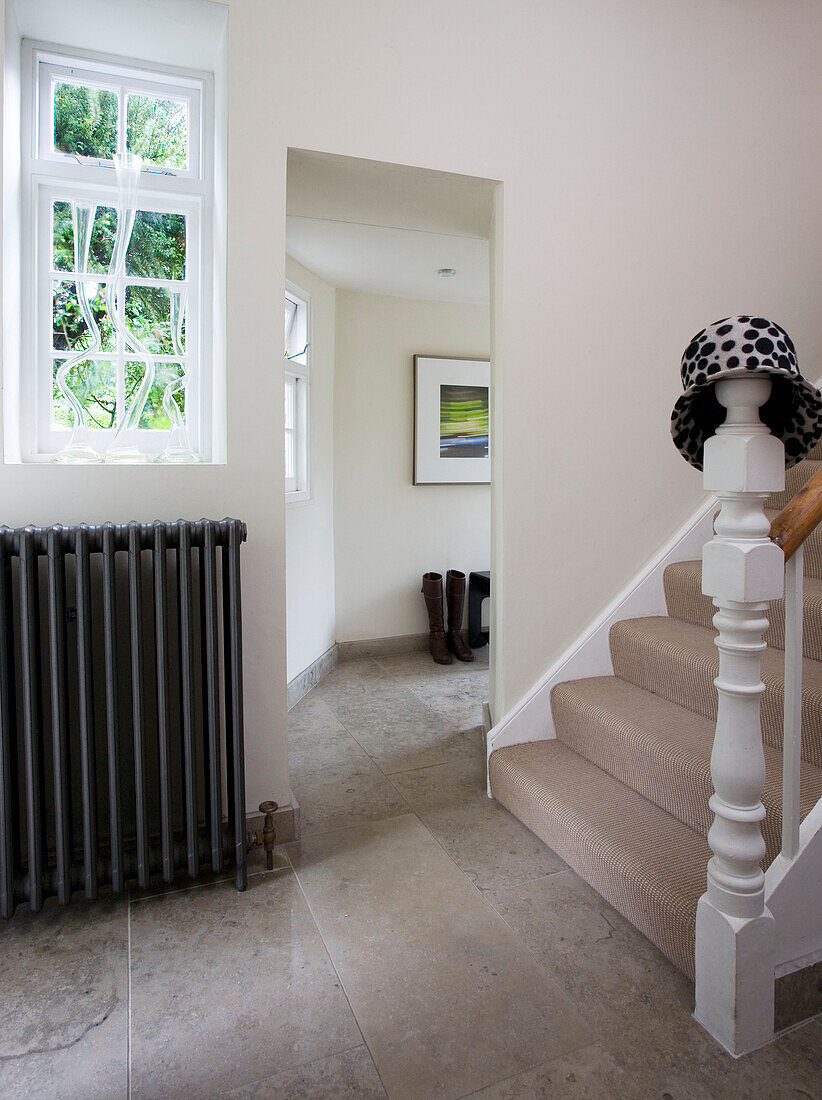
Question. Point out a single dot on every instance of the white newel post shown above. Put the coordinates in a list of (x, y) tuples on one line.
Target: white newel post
[(742, 570)]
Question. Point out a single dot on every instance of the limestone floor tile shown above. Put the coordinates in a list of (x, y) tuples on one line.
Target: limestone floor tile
[(354, 680), (447, 998), (484, 840), (347, 1076), (420, 665), (639, 1004), (587, 1074), (673, 1055), (407, 741), (447, 785), (391, 703), (805, 1040), (335, 794), (228, 988), (426, 677), (64, 1002), (605, 966), (316, 747), (313, 713), (454, 695)]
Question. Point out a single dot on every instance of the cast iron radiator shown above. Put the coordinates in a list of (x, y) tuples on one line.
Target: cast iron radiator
[(118, 762)]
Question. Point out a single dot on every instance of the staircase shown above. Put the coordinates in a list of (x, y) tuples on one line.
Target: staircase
[(622, 793)]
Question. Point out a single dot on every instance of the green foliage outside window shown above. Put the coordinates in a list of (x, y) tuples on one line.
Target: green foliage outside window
[(157, 129), (85, 123)]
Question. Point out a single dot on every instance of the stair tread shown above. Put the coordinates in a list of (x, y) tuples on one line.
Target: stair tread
[(678, 660), (644, 861), (699, 640), (661, 750), (687, 603), (812, 585)]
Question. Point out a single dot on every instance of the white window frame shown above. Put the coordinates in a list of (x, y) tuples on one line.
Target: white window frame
[(298, 389), (48, 177)]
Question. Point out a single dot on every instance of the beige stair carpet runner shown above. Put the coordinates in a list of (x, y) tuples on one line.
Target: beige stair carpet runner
[(622, 793)]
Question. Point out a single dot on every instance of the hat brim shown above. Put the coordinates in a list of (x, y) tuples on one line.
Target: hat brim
[(793, 413)]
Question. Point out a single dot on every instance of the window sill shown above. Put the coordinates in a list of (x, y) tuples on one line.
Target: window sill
[(48, 460), (301, 496)]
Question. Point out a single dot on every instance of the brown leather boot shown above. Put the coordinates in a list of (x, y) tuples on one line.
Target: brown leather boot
[(455, 597), (432, 590)]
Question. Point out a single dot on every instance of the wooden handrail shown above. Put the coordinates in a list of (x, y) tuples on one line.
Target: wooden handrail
[(799, 517)]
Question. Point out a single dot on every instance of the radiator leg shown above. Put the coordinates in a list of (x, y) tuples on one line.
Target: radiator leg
[(86, 714), (135, 597), (9, 838), (185, 614), (59, 713)]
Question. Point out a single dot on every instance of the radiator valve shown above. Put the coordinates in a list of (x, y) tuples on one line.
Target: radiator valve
[(268, 835)]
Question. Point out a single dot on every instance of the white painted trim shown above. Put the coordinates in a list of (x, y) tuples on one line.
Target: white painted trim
[(531, 719), (793, 893), (300, 685)]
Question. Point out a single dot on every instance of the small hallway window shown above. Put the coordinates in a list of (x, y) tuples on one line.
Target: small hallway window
[(80, 115), (297, 349)]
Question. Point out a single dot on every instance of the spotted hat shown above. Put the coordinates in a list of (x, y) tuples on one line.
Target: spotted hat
[(733, 347)]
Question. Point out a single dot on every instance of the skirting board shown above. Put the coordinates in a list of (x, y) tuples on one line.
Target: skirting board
[(351, 651), (286, 822), (590, 655), (382, 647), (311, 676)]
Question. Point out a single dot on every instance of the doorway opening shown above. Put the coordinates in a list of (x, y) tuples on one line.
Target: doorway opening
[(388, 456)]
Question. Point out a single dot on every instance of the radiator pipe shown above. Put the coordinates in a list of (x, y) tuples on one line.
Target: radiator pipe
[(268, 837)]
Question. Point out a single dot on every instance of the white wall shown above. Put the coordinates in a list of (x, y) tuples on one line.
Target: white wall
[(660, 163), (388, 531), (309, 524)]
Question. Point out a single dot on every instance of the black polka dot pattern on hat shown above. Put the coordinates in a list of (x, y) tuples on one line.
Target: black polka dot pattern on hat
[(745, 345)]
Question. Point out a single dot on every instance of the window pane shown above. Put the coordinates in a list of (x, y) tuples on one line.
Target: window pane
[(157, 129), (290, 455), (63, 237), (148, 316), (85, 121), (69, 330), (94, 384), (290, 403), (157, 249), (102, 238), (290, 314), (154, 415)]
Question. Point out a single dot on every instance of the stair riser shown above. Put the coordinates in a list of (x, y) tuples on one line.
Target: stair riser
[(679, 787), (686, 678), (678, 783), (685, 601)]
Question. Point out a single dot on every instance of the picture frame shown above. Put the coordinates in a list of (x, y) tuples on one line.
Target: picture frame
[(452, 399)]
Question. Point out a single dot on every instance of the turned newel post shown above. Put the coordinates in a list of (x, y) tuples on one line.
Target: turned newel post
[(742, 570)]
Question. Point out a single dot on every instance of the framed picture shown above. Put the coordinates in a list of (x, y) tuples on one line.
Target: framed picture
[(451, 420)]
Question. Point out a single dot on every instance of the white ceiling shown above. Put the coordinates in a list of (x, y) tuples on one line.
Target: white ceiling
[(401, 262), (387, 228)]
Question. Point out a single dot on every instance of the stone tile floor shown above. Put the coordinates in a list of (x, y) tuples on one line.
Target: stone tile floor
[(417, 942)]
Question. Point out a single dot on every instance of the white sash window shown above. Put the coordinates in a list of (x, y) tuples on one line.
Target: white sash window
[(78, 112)]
